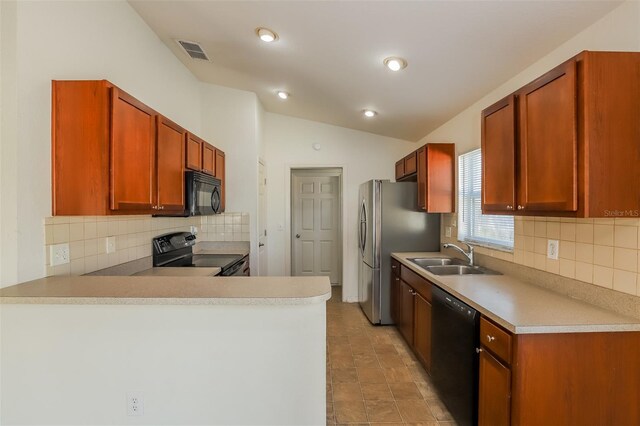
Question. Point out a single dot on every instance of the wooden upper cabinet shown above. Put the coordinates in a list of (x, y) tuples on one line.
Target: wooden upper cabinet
[(170, 166), (194, 152), (399, 169), (80, 115), (576, 146), (499, 156), (548, 142), (410, 165), (208, 159), (436, 177), (133, 141), (220, 174)]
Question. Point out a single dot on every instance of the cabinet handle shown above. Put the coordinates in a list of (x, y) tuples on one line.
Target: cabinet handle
[(520, 207), (509, 207), (154, 207), (393, 266), (478, 350), (490, 338)]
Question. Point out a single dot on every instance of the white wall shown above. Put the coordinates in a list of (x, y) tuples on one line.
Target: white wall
[(229, 120), (8, 145), (618, 30), (48, 40), (363, 156), (192, 365), (72, 40)]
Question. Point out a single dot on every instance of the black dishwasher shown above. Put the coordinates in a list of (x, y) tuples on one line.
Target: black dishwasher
[(454, 368)]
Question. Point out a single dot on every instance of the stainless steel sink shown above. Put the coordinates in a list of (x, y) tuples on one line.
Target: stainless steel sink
[(425, 262), (460, 270)]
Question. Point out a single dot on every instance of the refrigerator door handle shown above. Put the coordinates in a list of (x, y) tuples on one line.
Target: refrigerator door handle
[(363, 227)]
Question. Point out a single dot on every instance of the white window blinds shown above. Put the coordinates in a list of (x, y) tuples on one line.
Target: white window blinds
[(473, 226)]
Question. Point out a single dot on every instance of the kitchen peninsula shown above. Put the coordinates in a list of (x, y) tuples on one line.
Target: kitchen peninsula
[(193, 349)]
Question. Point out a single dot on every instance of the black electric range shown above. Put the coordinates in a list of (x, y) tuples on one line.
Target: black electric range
[(175, 250)]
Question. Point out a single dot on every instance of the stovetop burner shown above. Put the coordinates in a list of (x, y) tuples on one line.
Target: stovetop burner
[(175, 250)]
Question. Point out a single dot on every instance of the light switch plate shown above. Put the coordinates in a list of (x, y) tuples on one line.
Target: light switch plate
[(553, 247), (110, 246), (447, 231), (194, 229), (59, 254)]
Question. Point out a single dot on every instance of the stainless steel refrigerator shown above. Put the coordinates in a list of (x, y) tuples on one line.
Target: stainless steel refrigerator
[(389, 221)]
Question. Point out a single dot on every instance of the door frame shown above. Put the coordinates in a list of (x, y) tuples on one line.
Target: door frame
[(290, 168), (263, 163)]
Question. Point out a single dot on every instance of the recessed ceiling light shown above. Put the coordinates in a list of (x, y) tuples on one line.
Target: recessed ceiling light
[(282, 94), (395, 63), (266, 35), (369, 113)]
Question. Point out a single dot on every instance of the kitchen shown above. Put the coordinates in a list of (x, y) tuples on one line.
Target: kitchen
[(133, 58)]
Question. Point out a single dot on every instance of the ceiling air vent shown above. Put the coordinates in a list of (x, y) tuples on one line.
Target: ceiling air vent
[(193, 49)]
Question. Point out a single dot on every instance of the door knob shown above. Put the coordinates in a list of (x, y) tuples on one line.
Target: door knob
[(297, 235), (260, 244)]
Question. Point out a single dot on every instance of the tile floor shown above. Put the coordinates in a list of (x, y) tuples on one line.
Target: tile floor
[(372, 376)]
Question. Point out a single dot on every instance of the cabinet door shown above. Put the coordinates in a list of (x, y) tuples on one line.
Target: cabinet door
[(422, 331), (194, 152), (220, 174), (548, 142), (499, 156), (396, 299), (494, 399), (440, 178), (133, 141), (170, 166), (421, 160), (406, 312), (400, 169), (410, 164), (208, 159)]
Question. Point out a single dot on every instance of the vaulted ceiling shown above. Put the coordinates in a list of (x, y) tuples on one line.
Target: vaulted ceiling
[(329, 55)]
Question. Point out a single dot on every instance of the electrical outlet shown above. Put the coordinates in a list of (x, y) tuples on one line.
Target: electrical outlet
[(135, 404), (447, 231), (553, 246), (110, 244), (194, 229), (59, 254), (454, 221)]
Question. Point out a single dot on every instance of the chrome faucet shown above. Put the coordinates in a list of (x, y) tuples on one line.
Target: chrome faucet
[(468, 254)]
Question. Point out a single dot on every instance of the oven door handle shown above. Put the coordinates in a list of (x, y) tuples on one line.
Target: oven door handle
[(232, 271)]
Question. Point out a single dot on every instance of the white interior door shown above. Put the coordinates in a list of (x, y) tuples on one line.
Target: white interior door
[(262, 220), (315, 233)]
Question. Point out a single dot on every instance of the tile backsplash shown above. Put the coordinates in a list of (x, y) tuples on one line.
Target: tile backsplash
[(604, 252), (87, 236)]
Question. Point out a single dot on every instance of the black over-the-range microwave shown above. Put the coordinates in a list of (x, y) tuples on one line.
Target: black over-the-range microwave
[(202, 194)]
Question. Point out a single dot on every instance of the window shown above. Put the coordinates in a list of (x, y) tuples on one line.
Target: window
[(474, 227)]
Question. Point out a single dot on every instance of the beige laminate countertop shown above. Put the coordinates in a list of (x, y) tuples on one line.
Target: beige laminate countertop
[(169, 290), (523, 308)]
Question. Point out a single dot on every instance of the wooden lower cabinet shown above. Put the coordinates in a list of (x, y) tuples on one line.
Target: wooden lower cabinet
[(494, 396), (406, 312), (558, 379), (396, 295), (411, 310), (422, 330)]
